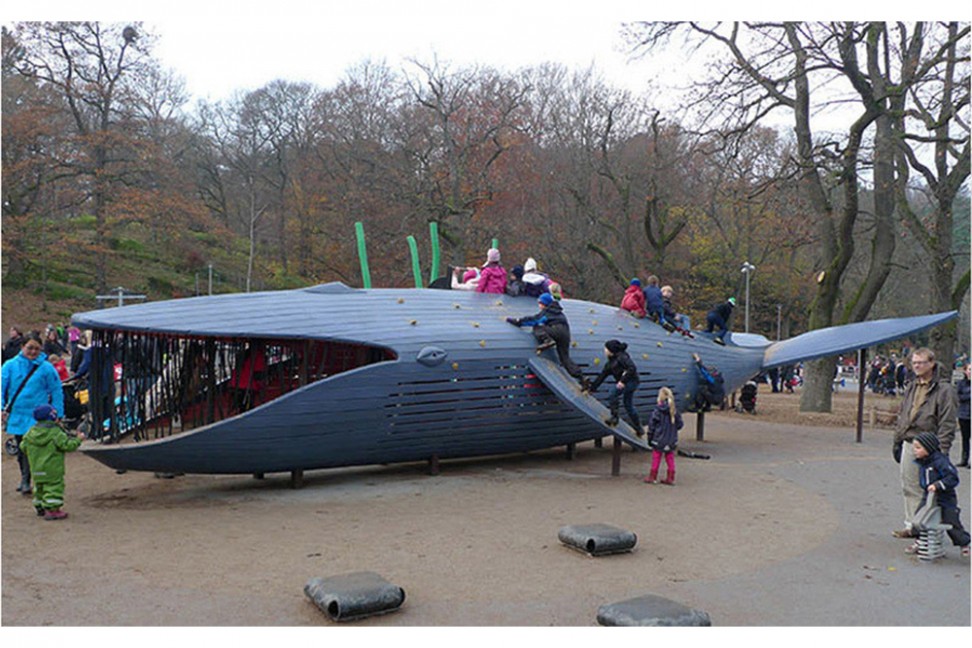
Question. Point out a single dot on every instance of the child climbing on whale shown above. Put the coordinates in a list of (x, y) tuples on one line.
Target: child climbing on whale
[(550, 328), (623, 369)]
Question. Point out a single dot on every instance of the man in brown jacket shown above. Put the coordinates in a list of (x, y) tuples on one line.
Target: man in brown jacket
[(928, 406)]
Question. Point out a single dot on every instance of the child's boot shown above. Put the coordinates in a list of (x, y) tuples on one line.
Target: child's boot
[(669, 478), (40, 511), (652, 477), (56, 514)]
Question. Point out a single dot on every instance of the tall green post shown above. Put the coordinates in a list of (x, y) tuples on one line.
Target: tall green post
[(416, 272), (434, 237), (362, 255)]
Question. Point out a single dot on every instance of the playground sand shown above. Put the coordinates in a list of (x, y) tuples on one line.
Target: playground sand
[(786, 525)]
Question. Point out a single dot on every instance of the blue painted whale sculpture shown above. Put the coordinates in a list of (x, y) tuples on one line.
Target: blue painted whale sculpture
[(367, 376)]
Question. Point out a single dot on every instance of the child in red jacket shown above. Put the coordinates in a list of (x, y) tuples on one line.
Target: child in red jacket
[(634, 299)]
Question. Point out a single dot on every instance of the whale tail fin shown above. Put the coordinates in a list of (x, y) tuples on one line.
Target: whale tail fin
[(848, 337)]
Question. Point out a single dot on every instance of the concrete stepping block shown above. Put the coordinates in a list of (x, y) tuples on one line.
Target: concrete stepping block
[(650, 610), (354, 596), (597, 539)]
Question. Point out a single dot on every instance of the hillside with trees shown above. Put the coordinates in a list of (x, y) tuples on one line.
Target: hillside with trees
[(111, 177)]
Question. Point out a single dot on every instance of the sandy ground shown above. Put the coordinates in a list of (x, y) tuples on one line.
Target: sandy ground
[(786, 525)]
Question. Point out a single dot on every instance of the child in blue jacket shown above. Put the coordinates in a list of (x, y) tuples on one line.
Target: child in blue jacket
[(938, 475)]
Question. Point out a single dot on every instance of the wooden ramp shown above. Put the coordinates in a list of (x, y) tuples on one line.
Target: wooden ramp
[(568, 390)]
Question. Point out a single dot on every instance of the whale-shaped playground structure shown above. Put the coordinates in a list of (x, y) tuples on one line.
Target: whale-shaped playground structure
[(330, 376)]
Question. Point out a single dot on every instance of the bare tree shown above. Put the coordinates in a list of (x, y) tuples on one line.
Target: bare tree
[(91, 67), (783, 65)]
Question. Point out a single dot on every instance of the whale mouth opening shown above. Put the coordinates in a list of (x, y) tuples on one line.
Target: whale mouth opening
[(153, 385)]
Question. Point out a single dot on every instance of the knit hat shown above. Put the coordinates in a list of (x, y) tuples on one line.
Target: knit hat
[(469, 274), (492, 255), (635, 282), (732, 300), (615, 346), (530, 265), (546, 299), (928, 441), (45, 413), (517, 271)]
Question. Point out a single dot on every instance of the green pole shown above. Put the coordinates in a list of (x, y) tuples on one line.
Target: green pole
[(362, 255), (415, 262), (495, 244), (434, 236)]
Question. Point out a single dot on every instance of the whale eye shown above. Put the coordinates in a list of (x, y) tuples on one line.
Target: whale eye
[(431, 356)]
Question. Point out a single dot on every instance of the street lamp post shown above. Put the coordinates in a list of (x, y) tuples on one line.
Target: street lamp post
[(747, 270), (779, 322)]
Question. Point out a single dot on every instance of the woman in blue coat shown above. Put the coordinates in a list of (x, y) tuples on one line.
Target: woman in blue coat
[(26, 381)]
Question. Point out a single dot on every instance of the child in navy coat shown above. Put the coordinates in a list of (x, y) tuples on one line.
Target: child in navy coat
[(663, 427), (937, 475)]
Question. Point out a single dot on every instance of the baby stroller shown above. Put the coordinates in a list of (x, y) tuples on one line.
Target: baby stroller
[(747, 398), (75, 405)]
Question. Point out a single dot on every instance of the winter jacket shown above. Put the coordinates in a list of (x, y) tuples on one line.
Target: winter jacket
[(937, 469), (251, 372), (549, 316), (962, 389), (634, 301), (44, 387), (12, 347), (936, 415), (654, 302), (662, 432), (45, 444), (669, 310), (622, 367), (492, 279), (535, 283), (723, 310)]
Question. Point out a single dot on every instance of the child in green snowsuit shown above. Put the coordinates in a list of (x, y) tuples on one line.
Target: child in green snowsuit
[(45, 445)]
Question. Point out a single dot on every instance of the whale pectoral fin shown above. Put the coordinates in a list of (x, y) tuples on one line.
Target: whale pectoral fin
[(849, 337), (567, 389)]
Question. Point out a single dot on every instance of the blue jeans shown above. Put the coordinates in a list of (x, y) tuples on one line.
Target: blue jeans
[(714, 321), (627, 396)]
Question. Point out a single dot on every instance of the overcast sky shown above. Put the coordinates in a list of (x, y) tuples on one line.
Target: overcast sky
[(220, 47)]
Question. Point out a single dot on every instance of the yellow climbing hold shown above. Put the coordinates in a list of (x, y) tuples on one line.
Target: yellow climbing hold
[(475, 324), (658, 343), (482, 343), (401, 300), (590, 331), (455, 365), (597, 361), (573, 343), (413, 322), (644, 356)]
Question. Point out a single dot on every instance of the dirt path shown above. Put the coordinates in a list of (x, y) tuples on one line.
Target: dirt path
[(785, 525)]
